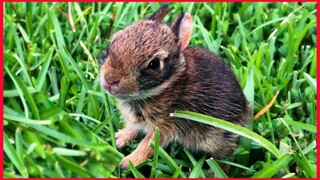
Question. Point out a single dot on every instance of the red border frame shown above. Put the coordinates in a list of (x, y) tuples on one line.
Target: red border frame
[(317, 105), (1, 90), (2, 59), (1, 81), (161, 1)]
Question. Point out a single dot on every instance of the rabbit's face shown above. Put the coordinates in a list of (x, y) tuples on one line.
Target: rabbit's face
[(140, 60), (144, 59)]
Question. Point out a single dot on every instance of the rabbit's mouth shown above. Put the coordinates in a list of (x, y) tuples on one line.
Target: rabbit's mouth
[(120, 92), (130, 97), (143, 94)]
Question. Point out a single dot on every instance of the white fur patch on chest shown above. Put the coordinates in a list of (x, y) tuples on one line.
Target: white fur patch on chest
[(128, 114)]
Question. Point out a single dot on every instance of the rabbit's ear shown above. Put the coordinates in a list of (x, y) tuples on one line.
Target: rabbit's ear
[(182, 28), (160, 13)]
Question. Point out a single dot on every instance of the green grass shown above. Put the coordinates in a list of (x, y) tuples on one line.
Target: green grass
[(59, 122)]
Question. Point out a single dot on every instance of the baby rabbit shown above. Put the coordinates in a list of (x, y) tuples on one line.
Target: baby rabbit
[(151, 71)]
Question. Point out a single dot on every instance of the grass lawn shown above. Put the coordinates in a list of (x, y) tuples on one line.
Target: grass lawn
[(59, 122)]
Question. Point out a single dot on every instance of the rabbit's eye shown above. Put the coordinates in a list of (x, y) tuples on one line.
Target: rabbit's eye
[(154, 64)]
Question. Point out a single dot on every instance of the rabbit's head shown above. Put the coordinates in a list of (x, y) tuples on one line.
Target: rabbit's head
[(143, 58)]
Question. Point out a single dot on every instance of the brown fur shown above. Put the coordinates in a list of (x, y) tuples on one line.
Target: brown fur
[(190, 79)]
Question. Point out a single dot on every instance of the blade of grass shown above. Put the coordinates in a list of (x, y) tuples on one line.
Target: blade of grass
[(310, 147), (12, 155), (310, 171), (196, 171), (30, 7), (242, 31), (134, 170), (81, 100), (31, 138), (43, 21), (68, 152), (26, 121), (229, 127), (177, 172), (92, 60), (290, 175), (59, 170), (76, 168), (57, 28), (270, 22), (207, 38), (193, 160), (85, 116), (300, 157), (93, 101), (100, 126), (23, 33), (20, 92), (249, 93), (44, 69), (65, 138), (302, 34), (166, 157), (274, 168), (16, 39), (237, 165), (18, 142), (25, 94), (311, 81), (301, 125), (155, 152), (219, 173)]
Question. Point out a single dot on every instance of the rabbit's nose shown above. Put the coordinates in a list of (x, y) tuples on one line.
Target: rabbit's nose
[(112, 84)]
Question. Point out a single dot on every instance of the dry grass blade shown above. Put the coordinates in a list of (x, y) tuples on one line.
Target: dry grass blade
[(60, 10), (265, 109), (70, 17)]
